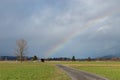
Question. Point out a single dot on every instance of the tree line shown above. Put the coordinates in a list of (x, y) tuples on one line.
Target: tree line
[(21, 48)]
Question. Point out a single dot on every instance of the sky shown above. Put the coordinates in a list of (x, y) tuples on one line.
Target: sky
[(61, 28)]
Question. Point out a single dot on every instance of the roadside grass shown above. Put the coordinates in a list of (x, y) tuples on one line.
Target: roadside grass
[(112, 73), (48, 70), (108, 69), (30, 71)]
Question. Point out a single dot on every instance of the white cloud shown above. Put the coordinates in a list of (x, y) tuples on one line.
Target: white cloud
[(103, 29)]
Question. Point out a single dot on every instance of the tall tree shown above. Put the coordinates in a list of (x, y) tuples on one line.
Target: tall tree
[(21, 48), (73, 58), (89, 59), (35, 58)]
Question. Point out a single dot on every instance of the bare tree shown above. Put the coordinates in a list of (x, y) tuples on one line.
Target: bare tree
[(21, 48)]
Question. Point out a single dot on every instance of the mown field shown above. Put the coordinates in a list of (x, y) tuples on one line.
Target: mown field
[(110, 70), (48, 70), (30, 71)]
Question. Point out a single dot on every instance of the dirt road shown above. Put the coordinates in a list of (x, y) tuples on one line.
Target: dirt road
[(80, 75)]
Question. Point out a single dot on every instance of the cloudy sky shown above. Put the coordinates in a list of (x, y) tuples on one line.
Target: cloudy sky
[(54, 28)]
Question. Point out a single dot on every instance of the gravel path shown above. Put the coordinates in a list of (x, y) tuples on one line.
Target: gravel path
[(80, 75)]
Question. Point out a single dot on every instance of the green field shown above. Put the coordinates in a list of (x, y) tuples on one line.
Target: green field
[(110, 70), (48, 70), (30, 71)]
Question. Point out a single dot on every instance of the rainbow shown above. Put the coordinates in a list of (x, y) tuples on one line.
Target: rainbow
[(79, 31)]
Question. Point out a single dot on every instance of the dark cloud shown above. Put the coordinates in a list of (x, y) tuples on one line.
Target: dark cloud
[(83, 28)]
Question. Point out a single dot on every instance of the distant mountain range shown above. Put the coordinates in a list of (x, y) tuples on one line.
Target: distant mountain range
[(30, 58), (11, 58), (111, 56), (8, 58)]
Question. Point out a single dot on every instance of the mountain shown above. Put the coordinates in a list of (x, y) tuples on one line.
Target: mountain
[(111, 56), (8, 58), (11, 58)]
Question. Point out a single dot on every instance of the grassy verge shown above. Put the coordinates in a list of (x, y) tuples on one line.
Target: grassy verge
[(112, 73), (110, 70), (48, 70), (30, 71)]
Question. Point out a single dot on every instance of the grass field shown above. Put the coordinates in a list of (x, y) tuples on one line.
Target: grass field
[(30, 71), (110, 70), (48, 70)]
